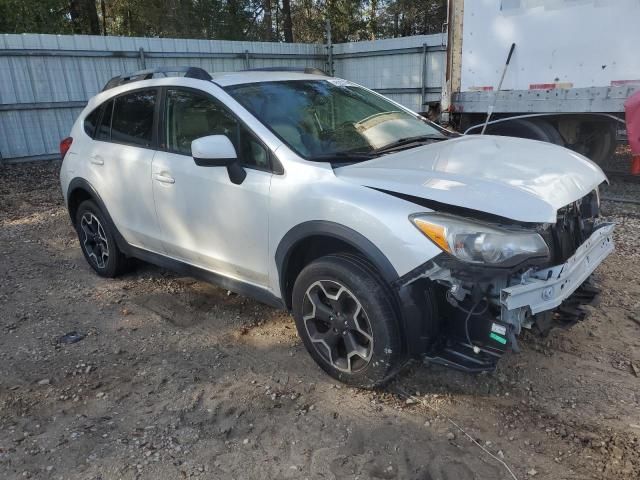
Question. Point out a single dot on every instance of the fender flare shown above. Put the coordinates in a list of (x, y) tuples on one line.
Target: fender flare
[(408, 299), (338, 231), (81, 184)]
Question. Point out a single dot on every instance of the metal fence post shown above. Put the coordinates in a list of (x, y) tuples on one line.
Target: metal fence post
[(142, 61), (424, 74), (329, 48), (247, 65)]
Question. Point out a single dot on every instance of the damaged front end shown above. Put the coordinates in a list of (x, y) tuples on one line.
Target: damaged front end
[(528, 276)]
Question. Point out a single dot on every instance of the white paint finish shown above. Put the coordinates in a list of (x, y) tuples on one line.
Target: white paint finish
[(210, 222), (523, 180), (213, 147), (312, 191), (122, 176), (202, 218), (556, 41)]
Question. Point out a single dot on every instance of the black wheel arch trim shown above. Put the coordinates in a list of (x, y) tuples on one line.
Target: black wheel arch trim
[(81, 184), (237, 286), (314, 228), (407, 298)]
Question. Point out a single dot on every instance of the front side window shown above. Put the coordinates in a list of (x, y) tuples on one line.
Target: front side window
[(133, 118), (324, 118), (190, 115)]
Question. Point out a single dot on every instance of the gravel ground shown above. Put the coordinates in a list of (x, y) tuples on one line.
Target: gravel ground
[(174, 378)]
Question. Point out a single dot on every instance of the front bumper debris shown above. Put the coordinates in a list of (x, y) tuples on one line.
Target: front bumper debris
[(547, 289)]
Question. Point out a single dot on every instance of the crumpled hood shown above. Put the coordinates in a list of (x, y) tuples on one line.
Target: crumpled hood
[(524, 180)]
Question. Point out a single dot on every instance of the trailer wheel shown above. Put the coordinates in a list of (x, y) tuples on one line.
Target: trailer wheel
[(596, 140), (551, 131), (532, 129)]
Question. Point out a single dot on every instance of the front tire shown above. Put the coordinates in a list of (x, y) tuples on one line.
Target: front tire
[(97, 241), (345, 316)]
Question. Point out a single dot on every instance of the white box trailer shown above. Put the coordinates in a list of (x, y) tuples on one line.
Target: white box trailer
[(574, 64)]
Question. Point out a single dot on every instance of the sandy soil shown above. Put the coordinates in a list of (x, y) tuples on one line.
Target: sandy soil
[(175, 378)]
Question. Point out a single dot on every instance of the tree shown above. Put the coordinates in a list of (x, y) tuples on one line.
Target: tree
[(84, 16), (287, 22), (269, 20)]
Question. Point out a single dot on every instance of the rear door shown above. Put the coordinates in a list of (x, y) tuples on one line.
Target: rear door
[(121, 165), (205, 219)]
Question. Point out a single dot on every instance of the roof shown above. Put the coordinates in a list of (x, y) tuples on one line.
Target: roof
[(237, 78)]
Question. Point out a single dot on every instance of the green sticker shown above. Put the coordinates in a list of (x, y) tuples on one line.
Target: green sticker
[(498, 338)]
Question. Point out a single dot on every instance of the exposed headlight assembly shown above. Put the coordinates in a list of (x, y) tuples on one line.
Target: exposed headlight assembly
[(480, 243)]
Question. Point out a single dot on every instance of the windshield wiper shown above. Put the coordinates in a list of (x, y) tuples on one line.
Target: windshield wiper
[(343, 156), (404, 142)]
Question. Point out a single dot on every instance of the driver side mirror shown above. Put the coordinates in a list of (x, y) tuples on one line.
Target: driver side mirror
[(218, 151)]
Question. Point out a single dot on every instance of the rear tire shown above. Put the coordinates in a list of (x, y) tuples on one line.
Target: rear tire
[(345, 315), (97, 241), (532, 129), (597, 141)]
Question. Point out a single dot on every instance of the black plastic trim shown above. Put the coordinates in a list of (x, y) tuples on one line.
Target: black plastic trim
[(214, 162), (242, 288), (415, 305), (335, 230), (82, 184)]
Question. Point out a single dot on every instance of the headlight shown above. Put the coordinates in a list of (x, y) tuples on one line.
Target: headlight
[(480, 243)]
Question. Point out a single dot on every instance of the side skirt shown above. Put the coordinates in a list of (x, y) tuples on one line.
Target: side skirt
[(241, 288)]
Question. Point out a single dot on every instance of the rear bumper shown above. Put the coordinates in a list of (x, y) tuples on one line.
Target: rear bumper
[(547, 289)]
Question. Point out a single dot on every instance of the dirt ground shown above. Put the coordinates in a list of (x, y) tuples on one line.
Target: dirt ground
[(175, 378)]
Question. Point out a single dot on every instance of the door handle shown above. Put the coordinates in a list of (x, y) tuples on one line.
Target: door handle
[(164, 178), (97, 160)]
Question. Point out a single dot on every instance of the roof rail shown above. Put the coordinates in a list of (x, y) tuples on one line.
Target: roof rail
[(189, 72), (307, 70)]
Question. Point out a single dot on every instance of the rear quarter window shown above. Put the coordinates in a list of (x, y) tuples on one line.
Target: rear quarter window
[(132, 121), (91, 122)]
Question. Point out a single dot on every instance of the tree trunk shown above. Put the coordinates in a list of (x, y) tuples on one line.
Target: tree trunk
[(84, 17), (396, 20), (288, 24), (91, 14), (373, 20), (74, 14), (103, 8), (268, 21)]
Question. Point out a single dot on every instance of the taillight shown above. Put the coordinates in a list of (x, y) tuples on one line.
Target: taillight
[(65, 145)]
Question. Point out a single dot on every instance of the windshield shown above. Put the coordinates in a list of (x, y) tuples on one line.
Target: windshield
[(325, 119)]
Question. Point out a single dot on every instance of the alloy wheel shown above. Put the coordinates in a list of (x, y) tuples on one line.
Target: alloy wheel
[(95, 241), (338, 326)]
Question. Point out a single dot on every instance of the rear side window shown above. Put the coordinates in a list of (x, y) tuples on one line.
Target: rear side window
[(91, 122), (104, 130), (133, 118)]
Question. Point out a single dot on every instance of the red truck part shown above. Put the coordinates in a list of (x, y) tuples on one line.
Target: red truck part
[(632, 117)]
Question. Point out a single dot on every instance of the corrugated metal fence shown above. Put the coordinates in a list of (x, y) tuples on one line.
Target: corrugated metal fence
[(45, 80)]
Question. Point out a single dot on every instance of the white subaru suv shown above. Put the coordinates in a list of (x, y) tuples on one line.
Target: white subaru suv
[(386, 236)]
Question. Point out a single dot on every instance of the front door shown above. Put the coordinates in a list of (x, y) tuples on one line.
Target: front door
[(205, 219)]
